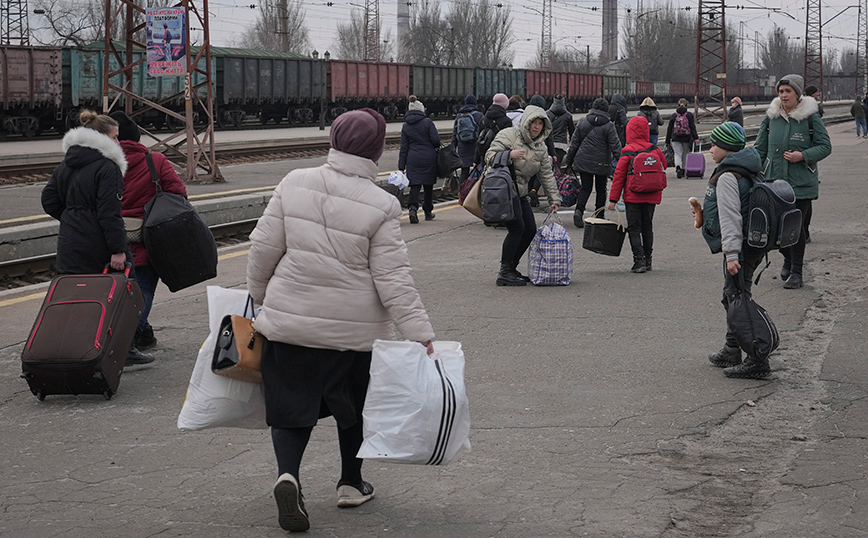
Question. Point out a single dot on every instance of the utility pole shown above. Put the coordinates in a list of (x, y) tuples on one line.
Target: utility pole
[(711, 60), (813, 73), (283, 25), (121, 63), (639, 44), (15, 23), (610, 30), (372, 30), (546, 41), (862, 49)]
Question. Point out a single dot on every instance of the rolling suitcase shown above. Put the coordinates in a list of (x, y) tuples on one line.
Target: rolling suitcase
[(82, 334), (694, 165)]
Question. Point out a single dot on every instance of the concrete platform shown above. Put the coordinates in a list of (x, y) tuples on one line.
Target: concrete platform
[(594, 409)]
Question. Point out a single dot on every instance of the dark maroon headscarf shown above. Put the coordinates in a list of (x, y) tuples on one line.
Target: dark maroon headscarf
[(360, 132)]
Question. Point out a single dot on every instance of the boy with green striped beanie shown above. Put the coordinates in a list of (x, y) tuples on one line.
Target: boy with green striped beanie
[(724, 214)]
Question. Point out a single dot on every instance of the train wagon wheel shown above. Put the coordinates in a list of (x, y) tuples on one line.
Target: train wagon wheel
[(236, 118), (222, 117)]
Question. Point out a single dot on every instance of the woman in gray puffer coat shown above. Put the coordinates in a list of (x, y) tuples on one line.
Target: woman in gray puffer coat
[(595, 143)]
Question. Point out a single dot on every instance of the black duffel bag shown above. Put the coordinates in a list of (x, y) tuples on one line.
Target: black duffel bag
[(753, 327), (180, 246), (448, 160)]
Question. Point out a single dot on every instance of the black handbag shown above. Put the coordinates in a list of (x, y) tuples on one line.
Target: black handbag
[(753, 327), (669, 155), (180, 246), (448, 160)]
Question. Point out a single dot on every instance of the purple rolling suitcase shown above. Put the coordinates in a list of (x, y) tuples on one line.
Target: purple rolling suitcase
[(82, 334), (694, 165)]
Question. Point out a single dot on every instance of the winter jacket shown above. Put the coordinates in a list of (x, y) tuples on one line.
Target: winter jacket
[(681, 138), (653, 116), (495, 117), (779, 133), (419, 143), (536, 159), (139, 188), (328, 264), (857, 110), (736, 114), (466, 150), (729, 197), (84, 194), (595, 143), (563, 125), (618, 115), (637, 140)]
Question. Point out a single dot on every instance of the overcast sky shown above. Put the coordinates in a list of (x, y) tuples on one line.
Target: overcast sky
[(575, 23)]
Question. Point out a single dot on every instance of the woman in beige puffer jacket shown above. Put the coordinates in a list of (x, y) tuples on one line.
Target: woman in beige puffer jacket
[(332, 273), (528, 156)]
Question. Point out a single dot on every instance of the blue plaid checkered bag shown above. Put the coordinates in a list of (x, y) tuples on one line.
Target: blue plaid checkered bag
[(550, 256)]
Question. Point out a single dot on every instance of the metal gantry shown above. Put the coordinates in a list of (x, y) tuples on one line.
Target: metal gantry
[(14, 23), (813, 73), (710, 79), (372, 30), (196, 145), (546, 39), (862, 49)]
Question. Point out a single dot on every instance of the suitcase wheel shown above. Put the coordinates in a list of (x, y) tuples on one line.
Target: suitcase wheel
[(107, 394), (40, 395)]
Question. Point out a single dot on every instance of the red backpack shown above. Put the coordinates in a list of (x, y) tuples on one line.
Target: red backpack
[(647, 172)]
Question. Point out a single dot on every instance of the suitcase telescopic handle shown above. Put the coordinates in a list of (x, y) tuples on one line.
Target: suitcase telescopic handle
[(127, 268)]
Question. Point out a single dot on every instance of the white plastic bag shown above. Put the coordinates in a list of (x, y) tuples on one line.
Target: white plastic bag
[(416, 409), (399, 179), (213, 400)]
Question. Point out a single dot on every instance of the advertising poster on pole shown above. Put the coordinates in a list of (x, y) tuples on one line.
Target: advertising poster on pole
[(166, 30)]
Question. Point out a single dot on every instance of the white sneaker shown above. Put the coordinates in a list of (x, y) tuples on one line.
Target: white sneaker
[(350, 495), (290, 504)]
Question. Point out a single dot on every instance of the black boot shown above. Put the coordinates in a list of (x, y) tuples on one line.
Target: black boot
[(506, 276), (578, 218), (429, 215), (726, 357), (751, 368), (679, 172), (134, 357), (414, 219), (518, 273), (794, 282), (785, 270), (638, 264), (144, 338), (647, 263)]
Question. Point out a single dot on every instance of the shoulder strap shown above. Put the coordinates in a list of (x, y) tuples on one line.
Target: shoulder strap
[(811, 128), (154, 177)]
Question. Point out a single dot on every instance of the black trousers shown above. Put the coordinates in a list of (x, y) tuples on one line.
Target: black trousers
[(750, 259), (520, 233), (427, 203), (589, 181), (639, 228), (795, 255)]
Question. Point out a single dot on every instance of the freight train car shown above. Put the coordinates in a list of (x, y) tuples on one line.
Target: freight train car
[(30, 88), (441, 89), (384, 87)]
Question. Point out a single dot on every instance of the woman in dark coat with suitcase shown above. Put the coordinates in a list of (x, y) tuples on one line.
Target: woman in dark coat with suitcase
[(418, 158), (85, 193)]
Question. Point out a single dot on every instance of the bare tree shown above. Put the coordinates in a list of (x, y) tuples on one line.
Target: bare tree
[(662, 43), (350, 44), (780, 55), (430, 40), (280, 25), (72, 22), (569, 60)]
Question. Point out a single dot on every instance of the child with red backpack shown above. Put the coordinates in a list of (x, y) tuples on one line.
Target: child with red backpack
[(640, 177)]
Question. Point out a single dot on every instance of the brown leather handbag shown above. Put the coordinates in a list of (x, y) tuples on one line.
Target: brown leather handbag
[(238, 353)]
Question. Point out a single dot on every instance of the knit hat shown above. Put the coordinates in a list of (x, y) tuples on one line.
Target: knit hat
[(736, 100), (811, 90), (538, 100), (470, 99), (415, 104), (648, 102), (600, 104), (127, 128), (728, 135), (796, 82), (500, 99), (359, 132)]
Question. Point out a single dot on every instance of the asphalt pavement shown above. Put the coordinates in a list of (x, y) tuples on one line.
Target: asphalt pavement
[(594, 409)]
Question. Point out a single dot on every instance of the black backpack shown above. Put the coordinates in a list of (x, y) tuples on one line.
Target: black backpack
[(773, 222), (487, 133)]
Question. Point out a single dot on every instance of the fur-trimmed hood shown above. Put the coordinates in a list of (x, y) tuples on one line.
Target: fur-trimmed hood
[(89, 138), (806, 107)]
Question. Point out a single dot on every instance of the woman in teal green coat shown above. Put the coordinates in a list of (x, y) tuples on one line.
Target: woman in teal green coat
[(791, 141)]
